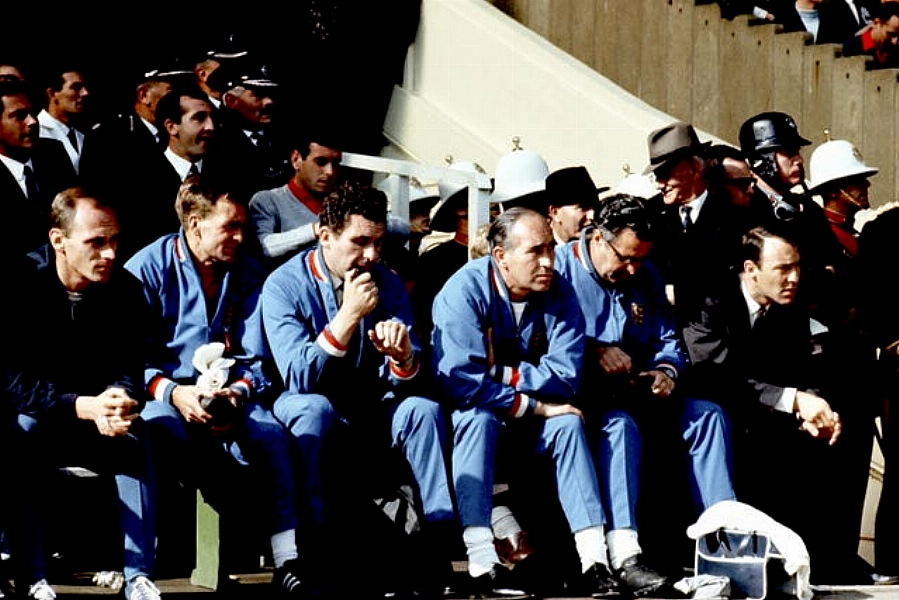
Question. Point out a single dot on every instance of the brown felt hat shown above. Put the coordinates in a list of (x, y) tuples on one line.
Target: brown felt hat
[(673, 142)]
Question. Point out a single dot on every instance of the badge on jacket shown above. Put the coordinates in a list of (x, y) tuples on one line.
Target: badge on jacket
[(638, 312)]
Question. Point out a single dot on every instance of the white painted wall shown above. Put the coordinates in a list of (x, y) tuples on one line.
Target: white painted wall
[(476, 78)]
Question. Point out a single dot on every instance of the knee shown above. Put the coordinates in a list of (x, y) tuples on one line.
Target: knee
[(305, 414), (706, 414), (619, 424), (474, 423), (420, 412)]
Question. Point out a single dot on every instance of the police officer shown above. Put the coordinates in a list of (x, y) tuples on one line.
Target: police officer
[(770, 142)]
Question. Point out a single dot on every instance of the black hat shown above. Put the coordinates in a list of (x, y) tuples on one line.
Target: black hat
[(254, 78), (673, 142), (572, 186), (769, 132)]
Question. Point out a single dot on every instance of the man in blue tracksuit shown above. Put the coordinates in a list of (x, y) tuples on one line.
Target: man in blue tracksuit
[(201, 288), (508, 343), (634, 358), (340, 327)]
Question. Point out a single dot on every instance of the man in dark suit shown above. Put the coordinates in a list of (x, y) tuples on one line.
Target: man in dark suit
[(251, 137), (129, 144), (146, 203), (756, 352), (694, 225), (32, 171)]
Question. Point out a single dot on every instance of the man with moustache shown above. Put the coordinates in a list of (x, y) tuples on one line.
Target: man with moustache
[(795, 429), (252, 137), (200, 287), (340, 327), (79, 327)]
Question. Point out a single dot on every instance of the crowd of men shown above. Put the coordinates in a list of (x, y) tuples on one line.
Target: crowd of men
[(206, 299), (861, 27)]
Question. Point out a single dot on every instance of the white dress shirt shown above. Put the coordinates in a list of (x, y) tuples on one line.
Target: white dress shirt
[(18, 171), (182, 165), (54, 129)]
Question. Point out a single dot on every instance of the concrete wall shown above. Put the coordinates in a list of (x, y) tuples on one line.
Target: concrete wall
[(476, 78), (681, 57)]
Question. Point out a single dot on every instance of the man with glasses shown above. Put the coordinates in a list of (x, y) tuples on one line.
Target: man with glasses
[(629, 390), (695, 224)]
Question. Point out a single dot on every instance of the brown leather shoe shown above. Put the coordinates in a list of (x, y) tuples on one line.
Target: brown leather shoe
[(514, 549)]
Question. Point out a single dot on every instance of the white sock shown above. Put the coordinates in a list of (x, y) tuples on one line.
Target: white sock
[(591, 547), (504, 523), (284, 547), (623, 544), (481, 551)]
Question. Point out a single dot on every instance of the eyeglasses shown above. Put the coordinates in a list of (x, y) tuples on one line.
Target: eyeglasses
[(608, 237)]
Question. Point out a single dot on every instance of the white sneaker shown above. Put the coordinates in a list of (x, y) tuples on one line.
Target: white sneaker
[(143, 589), (41, 591)]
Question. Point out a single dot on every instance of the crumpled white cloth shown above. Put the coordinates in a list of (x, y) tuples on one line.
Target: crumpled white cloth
[(209, 361), (707, 587), (731, 514)]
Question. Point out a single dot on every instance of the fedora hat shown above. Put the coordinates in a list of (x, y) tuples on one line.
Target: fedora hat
[(572, 186), (674, 141)]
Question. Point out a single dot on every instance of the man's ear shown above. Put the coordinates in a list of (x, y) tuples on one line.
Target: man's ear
[(296, 159), (749, 267), (171, 127), (229, 99), (56, 239), (499, 255)]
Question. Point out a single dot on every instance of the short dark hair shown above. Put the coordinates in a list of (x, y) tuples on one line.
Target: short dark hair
[(65, 205), (300, 136), (13, 87), (53, 76), (353, 198), (169, 107), (199, 194), (623, 211), (498, 236), (754, 240)]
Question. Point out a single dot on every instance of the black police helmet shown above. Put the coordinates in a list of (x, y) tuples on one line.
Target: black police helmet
[(769, 132)]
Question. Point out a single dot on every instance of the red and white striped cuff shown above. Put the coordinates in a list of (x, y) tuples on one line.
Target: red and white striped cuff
[(330, 344), (161, 388), (519, 406)]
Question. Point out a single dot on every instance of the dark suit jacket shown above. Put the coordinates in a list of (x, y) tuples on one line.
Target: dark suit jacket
[(28, 219), (742, 367), (255, 167), (698, 261), (123, 163)]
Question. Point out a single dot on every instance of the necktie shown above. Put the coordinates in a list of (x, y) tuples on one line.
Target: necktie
[(30, 184), (685, 217), (194, 170), (73, 138), (759, 316)]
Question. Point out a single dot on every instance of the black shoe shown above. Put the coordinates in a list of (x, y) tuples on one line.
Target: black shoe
[(288, 584), (497, 583), (599, 583), (639, 579)]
